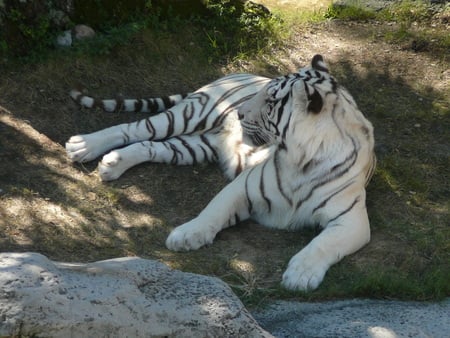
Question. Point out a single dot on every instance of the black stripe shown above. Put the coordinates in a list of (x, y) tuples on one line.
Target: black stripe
[(249, 202), (188, 113), (284, 100), (170, 120), (277, 174), (205, 154), (150, 128), (125, 138), (201, 125), (262, 189), (325, 201), (176, 152), (333, 115), (282, 146), (119, 104), (167, 102), (346, 210), (152, 106), (307, 167), (285, 80), (334, 85), (238, 168), (138, 105), (337, 171), (206, 142), (188, 148)]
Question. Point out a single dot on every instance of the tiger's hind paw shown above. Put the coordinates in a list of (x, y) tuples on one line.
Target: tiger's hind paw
[(83, 148), (112, 166)]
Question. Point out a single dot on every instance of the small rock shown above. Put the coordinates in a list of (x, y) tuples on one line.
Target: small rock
[(65, 39), (80, 32)]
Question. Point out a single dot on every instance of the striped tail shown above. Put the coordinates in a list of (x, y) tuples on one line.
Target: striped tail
[(151, 105)]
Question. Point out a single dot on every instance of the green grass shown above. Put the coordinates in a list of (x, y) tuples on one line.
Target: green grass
[(407, 11), (350, 12)]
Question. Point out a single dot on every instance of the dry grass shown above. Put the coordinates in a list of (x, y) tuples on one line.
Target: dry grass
[(63, 211)]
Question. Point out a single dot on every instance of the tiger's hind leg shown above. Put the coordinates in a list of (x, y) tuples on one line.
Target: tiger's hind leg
[(342, 237), (87, 147), (181, 150), (196, 113)]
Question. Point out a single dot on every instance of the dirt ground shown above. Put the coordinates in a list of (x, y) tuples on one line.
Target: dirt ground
[(62, 210)]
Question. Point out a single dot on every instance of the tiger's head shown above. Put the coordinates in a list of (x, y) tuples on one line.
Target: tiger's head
[(266, 117), (312, 118)]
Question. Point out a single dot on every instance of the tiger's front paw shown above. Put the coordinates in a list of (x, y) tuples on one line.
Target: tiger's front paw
[(189, 236), (305, 272)]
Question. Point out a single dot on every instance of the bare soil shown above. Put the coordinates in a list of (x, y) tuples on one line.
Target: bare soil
[(62, 210)]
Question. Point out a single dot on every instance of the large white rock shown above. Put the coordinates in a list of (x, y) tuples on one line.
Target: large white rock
[(124, 297)]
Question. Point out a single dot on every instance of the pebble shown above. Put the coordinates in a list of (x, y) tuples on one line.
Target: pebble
[(65, 39), (80, 32)]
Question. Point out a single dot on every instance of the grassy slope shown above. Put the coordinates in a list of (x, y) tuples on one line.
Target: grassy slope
[(50, 206)]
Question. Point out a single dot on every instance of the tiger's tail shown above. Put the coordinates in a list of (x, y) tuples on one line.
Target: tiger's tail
[(119, 104)]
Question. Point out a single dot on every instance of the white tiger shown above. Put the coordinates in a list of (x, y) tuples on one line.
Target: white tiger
[(297, 148)]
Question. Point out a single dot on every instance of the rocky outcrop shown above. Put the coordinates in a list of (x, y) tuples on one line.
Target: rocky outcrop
[(120, 297)]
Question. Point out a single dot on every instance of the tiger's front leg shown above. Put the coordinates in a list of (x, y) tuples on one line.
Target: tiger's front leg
[(225, 209), (340, 238)]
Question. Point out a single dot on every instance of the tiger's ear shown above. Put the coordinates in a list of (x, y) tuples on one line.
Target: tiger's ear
[(318, 64), (299, 96)]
